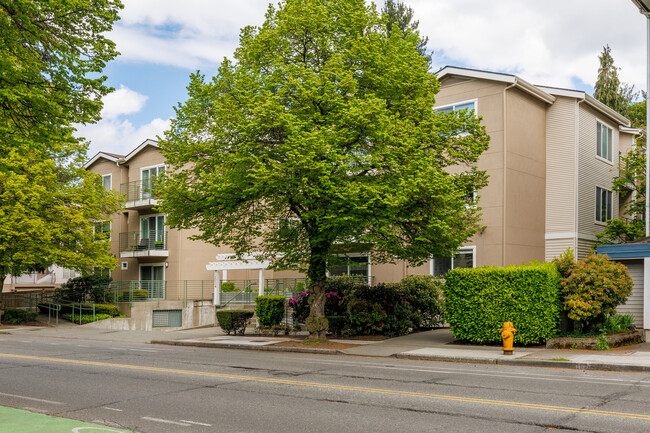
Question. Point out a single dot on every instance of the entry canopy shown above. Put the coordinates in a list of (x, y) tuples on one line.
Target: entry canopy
[(227, 262)]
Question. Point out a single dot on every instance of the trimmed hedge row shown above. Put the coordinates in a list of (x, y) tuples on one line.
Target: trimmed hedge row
[(234, 320), (269, 310), (480, 300), (16, 316)]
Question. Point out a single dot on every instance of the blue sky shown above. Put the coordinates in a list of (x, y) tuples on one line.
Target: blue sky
[(550, 42)]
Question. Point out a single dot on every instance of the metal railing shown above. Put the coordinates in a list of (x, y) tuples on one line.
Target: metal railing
[(28, 301), (51, 308), (139, 190), (133, 241), (34, 278)]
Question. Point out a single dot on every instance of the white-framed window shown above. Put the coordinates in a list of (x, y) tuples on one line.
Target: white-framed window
[(603, 205), (69, 273), (358, 266), (107, 181), (603, 141), (103, 230), (458, 106), (148, 176), (125, 266), (465, 257)]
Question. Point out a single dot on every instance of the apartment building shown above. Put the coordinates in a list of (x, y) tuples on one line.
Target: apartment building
[(552, 157)]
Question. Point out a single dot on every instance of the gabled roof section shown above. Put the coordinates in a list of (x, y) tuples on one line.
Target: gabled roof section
[(113, 157), (141, 147), (523, 85), (592, 102)]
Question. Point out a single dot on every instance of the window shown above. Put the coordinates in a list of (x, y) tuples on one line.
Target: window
[(467, 105), (603, 205), (69, 273), (604, 141), (357, 267), (149, 180), (102, 272), (103, 230), (152, 229), (464, 258), (107, 181)]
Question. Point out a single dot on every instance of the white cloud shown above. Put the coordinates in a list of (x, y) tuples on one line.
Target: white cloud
[(120, 136), (122, 101)]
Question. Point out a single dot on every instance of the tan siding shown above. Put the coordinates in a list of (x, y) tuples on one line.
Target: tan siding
[(555, 247), (560, 166), (584, 246), (594, 171), (634, 304)]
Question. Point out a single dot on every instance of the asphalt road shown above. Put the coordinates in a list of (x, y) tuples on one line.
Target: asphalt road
[(149, 388)]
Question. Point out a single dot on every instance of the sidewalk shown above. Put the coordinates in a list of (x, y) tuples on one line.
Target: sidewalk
[(434, 345)]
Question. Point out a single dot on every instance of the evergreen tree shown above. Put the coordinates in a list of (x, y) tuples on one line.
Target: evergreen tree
[(400, 17), (608, 88)]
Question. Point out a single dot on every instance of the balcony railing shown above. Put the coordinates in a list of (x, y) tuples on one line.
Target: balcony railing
[(132, 244), (139, 193)]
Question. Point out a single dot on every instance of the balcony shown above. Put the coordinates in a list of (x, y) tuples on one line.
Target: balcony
[(132, 244), (140, 194)]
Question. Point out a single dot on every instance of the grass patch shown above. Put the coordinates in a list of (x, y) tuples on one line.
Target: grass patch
[(559, 359)]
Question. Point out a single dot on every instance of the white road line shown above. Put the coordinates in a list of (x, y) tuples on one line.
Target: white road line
[(82, 345), (112, 408), (143, 350), (166, 421), (197, 423), (54, 344), (32, 398), (25, 341)]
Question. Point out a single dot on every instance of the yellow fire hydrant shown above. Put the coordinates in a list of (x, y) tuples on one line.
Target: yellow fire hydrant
[(508, 335)]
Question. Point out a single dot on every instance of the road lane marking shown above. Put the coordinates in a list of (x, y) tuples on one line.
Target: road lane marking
[(143, 350), (197, 423), (337, 387), (166, 421), (32, 398), (112, 408)]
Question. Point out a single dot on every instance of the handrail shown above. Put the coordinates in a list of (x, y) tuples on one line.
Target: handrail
[(81, 308), (241, 292), (51, 306)]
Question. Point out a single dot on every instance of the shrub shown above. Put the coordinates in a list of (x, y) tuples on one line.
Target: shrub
[(618, 323), (86, 318), (16, 315), (337, 324), (424, 296), (83, 289), (269, 310), (593, 288), (110, 309), (479, 300), (228, 286), (390, 298), (336, 289), (366, 317), (133, 295), (233, 320)]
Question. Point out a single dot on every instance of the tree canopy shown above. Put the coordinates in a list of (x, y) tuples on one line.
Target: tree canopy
[(51, 54), (608, 88), (319, 139)]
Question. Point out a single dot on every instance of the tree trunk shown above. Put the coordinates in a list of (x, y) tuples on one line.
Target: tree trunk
[(317, 322)]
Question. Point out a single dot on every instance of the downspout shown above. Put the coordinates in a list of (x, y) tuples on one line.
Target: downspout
[(576, 180), (505, 172)]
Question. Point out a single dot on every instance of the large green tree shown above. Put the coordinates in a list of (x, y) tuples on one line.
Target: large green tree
[(320, 139), (608, 88), (630, 181), (51, 54), (399, 17)]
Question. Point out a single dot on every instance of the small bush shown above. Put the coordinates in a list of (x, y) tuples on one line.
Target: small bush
[(366, 317), (592, 288), (86, 318), (110, 309), (618, 323), (424, 296), (478, 302), (228, 286), (269, 310), (233, 320), (337, 324), (16, 316), (133, 295)]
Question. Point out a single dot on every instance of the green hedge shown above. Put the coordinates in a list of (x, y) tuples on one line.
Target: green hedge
[(269, 310), (16, 315), (233, 320), (133, 295), (86, 318), (480, 300), (228, 286)]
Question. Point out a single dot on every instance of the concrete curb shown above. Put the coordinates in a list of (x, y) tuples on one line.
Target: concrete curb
[(544, 363), (530, 363), (249, 347)]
